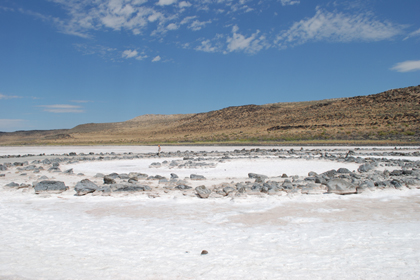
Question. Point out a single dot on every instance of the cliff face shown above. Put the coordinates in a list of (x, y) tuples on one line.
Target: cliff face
[(390, 115)]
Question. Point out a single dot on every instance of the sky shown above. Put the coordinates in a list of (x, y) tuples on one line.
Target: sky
[(70, 62)]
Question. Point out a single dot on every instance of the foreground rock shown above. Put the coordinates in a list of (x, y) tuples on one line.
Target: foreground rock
[(202, 191), (84, 187), (340, 186), (50, 186)]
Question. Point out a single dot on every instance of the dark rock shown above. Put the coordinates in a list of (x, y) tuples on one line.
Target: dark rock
[(50, 186), (12, 185), (155, 165), (312, 174), (228, 190), (365, 167), (85, 186), (330, 173), (197, 177), (69, 171), (397, 184), (109, 180), (284, 175), (183, 187), (202, 191), (343, 170), (123, 176), (174, 176), (396, 173), (3, 167), (132, 188), (133, 180), (204, 252), (112, 175)]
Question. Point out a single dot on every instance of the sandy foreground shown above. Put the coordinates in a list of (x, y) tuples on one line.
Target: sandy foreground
[(373, 235)]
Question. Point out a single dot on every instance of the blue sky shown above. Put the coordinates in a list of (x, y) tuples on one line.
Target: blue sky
[(69, 62)]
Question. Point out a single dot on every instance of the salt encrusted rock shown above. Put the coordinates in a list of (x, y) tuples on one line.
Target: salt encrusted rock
[(156, 177), (343, 170), (50, 186), (202, 191), (133, 180), (99, 175), (197, 177), (174, 176), (12, 185), (85, 186), (340, 186), (123, 176), (3, 167), (108, 180), (155, 165), (131, 188), (365, 167), (396, 173), (312, 174), (183, 187), (330, 173), (228, 190), (397, 184)]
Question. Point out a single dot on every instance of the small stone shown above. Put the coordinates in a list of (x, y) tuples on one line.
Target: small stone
[(204, 252)]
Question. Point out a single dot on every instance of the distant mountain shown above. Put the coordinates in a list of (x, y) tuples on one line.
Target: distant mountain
[(390, 116)]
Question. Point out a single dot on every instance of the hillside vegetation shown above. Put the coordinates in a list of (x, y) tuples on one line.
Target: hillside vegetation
[(392, 116)]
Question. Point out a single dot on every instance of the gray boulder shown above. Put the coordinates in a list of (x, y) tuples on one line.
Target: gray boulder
[(50, 186), (202, 191), (132, 188), (84, 187), (197, 177), (183, 187), (12, 185), (259, 178), (108, 180), (228, 190), (365, 167), (343, 170), (340, 186)]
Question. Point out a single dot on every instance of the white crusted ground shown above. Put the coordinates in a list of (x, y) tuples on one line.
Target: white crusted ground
[(61, 236)]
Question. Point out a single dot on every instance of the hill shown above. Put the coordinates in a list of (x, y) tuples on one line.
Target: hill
[(392, 116)]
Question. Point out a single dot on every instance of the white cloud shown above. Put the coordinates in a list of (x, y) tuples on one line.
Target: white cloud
[(165, 2), (407, 66), (2, 96), (289, 2), (156, 59), (155, 16), (413, 34), (187, 19), (339, 27), (184, 4), (206, 47), (141, 57), (197, 25), (172, 26), (129, 53), (239, 42), (62, 108)]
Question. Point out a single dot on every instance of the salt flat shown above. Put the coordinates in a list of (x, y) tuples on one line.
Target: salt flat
[(373, 235)]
